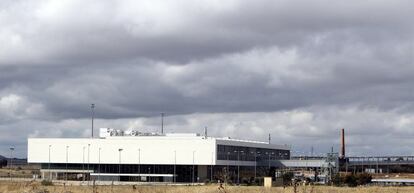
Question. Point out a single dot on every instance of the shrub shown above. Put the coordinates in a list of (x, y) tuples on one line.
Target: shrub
[(287, 178), (46, 183), (337, 180), (364, 178), (359, 179), (350, 180)]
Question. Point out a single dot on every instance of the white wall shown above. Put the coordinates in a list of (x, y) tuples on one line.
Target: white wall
[(154, 150)]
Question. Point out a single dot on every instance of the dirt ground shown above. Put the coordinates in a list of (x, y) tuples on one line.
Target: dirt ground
[(36, 187)]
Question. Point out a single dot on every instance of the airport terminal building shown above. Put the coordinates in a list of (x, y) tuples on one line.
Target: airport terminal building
[(152, 157)]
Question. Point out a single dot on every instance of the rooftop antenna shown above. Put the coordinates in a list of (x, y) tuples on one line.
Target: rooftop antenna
[(311, 151), (162, 123), (93, 114), (269, 138), (205, 132)]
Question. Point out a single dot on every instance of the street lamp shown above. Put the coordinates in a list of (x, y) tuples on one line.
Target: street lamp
[(149, 172), (238, 166), (50, 173), (99, 164), (83, 163), (228, 169), (211, 168), (89, 145), (175, 164), (66, 173), (139, 162), (268, 161), (119, 168), (269, 158), (193, 168), (11, 161), (255, 162), (258, 154)]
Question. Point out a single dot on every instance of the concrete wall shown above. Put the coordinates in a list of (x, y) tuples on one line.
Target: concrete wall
[(143, 150)]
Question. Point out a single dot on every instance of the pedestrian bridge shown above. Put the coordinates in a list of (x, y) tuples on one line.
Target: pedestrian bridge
[(380, 160)]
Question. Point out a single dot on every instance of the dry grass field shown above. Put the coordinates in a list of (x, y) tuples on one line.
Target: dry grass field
[(27, 187)]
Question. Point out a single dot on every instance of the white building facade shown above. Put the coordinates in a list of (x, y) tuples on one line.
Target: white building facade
[(161, 158)]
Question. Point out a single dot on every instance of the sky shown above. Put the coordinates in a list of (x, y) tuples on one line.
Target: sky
[(297, 69)]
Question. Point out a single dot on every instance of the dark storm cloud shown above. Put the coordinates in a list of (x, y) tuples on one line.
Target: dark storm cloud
[(195, 59)]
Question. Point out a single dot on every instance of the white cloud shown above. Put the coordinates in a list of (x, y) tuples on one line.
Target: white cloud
[(297, 69), (14, 107)]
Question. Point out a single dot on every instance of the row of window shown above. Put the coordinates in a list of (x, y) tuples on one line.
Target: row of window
[(227, 152)]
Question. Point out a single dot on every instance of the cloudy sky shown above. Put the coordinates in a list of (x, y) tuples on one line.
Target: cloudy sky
[(297, 69)]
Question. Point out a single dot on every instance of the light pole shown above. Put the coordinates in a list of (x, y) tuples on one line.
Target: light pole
[(268, 153), (268, 161), (67, 159), (258, 154), (228, 169), (254, 163), (273, 153), (175, 164), (193, 168), (83, 163), (149, 172), (139, 162), (11, 161), (211, 167), (119, 168), (50, 173), (238, 166), (93, 114), (89, 146), (99, 164)]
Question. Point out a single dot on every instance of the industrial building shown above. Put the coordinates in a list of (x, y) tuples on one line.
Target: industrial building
[(153, 157)]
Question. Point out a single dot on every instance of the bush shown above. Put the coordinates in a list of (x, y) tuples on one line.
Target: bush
[(337, 180), (46, 183), (364, 178), (287, 178), (258, 181), (351, 180)]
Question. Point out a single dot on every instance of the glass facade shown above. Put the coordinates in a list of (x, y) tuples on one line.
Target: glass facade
[(234, 153), (183, 172)]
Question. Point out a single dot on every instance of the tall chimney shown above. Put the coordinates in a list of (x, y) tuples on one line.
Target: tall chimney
[(342, 155)]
